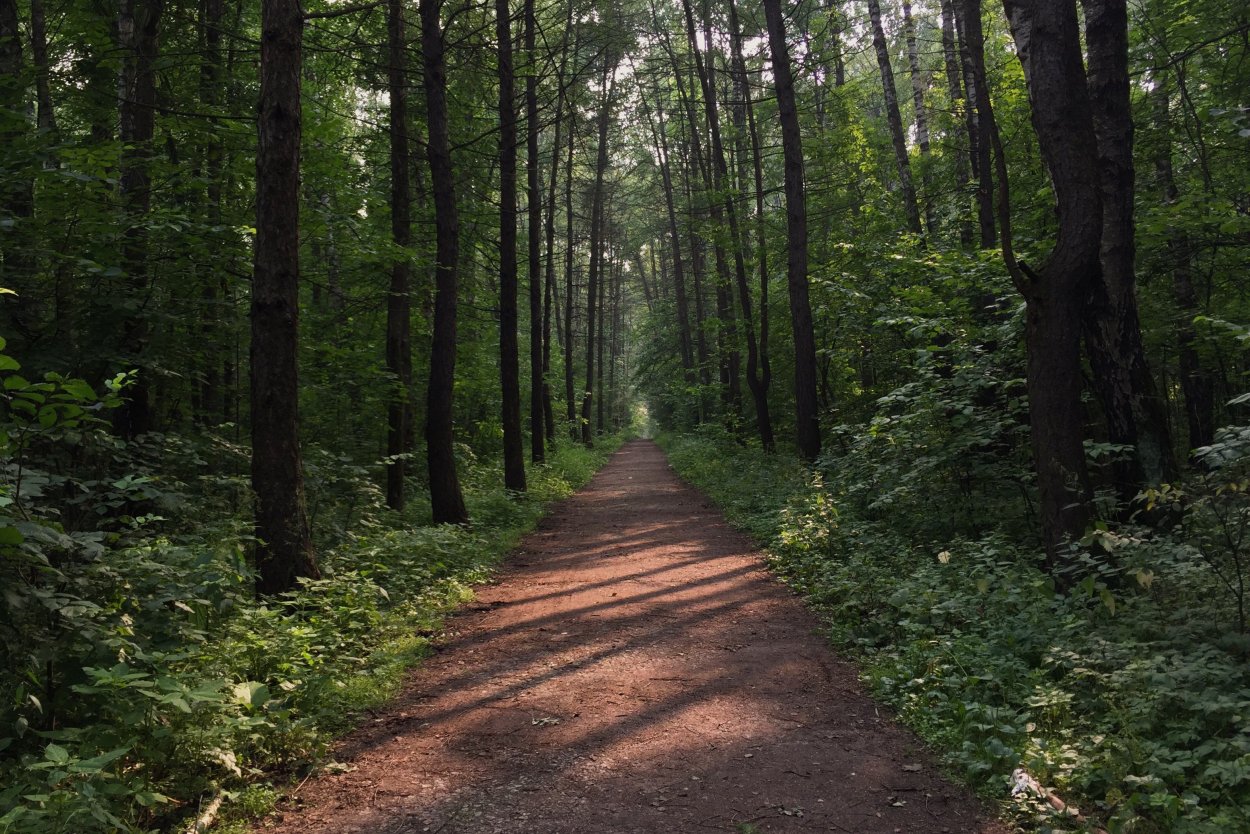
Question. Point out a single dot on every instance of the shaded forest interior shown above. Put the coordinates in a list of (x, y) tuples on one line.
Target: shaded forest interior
[(305, 312)]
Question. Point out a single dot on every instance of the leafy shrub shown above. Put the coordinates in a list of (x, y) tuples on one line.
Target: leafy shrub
[(1129, 694)]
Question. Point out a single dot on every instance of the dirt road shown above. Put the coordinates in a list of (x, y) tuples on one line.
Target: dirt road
[(633, 669)]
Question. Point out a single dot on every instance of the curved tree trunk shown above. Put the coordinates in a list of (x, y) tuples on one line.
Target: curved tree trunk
[(1048, 44)]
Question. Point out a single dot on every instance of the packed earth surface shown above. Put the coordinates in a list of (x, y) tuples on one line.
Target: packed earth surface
[(634, 668)]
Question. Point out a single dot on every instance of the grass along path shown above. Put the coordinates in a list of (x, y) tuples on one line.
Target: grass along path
[(634, 669)]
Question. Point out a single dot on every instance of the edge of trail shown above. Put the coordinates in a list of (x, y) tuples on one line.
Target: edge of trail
[(634, 667)]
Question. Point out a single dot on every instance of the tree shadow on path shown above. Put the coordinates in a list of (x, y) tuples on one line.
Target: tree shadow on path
[(635, 669)]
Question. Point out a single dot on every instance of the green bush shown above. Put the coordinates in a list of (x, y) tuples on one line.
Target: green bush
[(1130, 694), (138, 673)]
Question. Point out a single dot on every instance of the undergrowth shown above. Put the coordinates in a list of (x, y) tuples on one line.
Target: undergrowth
[(139, 675), (1130, 694)]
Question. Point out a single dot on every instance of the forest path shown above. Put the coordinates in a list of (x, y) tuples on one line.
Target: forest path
[(633, 669)]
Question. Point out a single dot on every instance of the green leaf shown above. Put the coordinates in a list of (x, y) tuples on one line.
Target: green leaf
[(11, 536), (56, 753)]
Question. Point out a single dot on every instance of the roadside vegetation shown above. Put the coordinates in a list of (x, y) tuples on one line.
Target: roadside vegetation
[(1128, 694)]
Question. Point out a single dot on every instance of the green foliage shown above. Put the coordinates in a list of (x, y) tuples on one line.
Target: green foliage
[(1129, 694), (139, 673)]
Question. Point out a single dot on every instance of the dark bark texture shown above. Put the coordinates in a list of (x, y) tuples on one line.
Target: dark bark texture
[(807, 424), (284, 551), (446, 499)]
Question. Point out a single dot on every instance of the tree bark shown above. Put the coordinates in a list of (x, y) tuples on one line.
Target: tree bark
[(17, 189), (534, 219), (807, 425), (138, 26), (284, 551), (445, 497), (958, 103), (744, 120), (46, 114), (596, 240), (1136, 415), (570, 397), (1197, 385), (1048, 45), (509, 350), (679, 273), (972, 53), (918, 86), (895, 119), (398, 299)]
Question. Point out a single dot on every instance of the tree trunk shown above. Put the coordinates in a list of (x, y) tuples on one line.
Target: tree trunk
[(679, 273), (550, 280), (534, 239), (138, 24), (570, 397), (1136, 415), (764, 375), (1197, 386), (509, 350), (46, 115), (958, 103), (17, 189), (284, 551), (972, 53), (895, 119), (596, 240), (398, 300), (1048, 44), (922, 115), (807, 425), (445, 496)]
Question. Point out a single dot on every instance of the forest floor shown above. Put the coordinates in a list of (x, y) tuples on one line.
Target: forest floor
[(634, 668)]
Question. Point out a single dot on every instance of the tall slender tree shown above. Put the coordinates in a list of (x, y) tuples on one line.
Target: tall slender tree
[(533, 200), (284, 551), (398, 303), (895, 119), (807, 422), (509, 350), (446, 498)]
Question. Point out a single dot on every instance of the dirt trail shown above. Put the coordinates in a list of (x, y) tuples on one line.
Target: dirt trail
[(634, 669)]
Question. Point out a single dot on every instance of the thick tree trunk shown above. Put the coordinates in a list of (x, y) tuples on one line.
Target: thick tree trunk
[(398, 299), (138, 24), (1048, 44), (534, 239), (284, 551), (807, 425), (1136, 415), (445, 496), (895, 119), (509, 349)]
